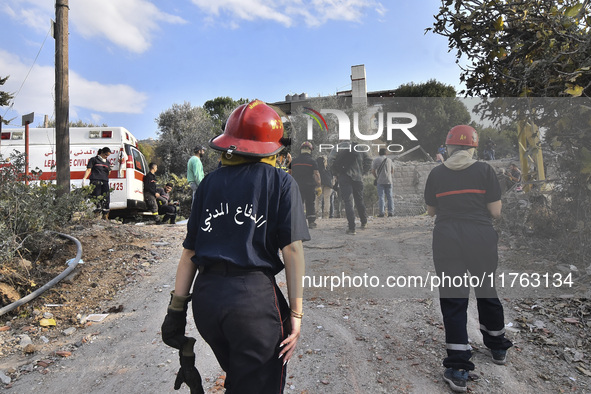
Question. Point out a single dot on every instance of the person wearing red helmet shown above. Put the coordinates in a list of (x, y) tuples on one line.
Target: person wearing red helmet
[(244, 213), (464, 195)]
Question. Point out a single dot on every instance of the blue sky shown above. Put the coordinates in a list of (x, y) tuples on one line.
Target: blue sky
[(130, 60)]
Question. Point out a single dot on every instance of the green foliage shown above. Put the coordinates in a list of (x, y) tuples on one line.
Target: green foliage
[(181, 128), (437, 110), (149, 152), (431, 88), (505, 141), (535, 49), (181, 192), (220, 108), (28, 210), (519, 48), (5, 98)]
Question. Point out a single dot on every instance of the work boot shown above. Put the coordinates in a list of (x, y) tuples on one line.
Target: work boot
[(312, 225), (456, 378), (499, 356)]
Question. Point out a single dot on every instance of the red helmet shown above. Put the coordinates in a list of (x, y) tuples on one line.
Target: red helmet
[(307, 145), (253, 129), (462, 135)]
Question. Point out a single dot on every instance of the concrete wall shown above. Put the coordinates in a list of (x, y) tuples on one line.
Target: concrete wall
[(409, 184)]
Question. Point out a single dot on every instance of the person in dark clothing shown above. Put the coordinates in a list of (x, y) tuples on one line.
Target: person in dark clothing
[(489, 149), (97, 171), (304, 169), (464, 195), (233, 239), (349, 165), (150, 193), (326, 183), (166, 207), (512, 176)]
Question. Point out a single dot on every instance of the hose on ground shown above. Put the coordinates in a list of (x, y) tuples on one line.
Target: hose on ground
[(71, 265)]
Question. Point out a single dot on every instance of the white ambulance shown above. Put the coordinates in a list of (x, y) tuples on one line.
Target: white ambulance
[(128, 164)]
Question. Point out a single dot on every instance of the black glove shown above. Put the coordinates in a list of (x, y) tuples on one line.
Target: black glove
[(173, 327), (188, 373)]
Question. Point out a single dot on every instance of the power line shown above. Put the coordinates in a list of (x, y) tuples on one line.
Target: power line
[(29, 72)]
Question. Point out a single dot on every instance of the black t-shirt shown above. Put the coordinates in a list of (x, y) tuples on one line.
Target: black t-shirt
[(463, 194), (302, 169), (150, 183), (99, 169), (243, 215)]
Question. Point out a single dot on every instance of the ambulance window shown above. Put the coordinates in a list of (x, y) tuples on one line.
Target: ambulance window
[(138, 161)]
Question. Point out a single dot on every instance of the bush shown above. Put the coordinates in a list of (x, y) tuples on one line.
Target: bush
[(26, 211)]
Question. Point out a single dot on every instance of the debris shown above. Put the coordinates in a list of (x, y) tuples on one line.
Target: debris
[(25, 340), (96, 317), (584, 371), (572, 320), (63, 353), (69, 331), (44, 363), (115, 309), (4, 379), (47, 322), (30, 349)]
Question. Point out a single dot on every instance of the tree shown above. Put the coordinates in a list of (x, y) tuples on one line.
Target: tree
[(181, 128), (5, 98), (148, 151), (437, 110), (535, 48), (519, 48), (220, 108)]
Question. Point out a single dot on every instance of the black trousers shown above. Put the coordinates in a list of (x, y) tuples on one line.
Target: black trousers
[(352, 191), (243, 316), (169, 212), (101, 188), (151, 202), (462, 249), (308, 193)]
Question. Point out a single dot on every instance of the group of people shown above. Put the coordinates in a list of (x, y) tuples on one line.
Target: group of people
[(158, 199), (324, 181), (237, 242)]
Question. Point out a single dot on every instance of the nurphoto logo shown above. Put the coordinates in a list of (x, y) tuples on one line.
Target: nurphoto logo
[(394, 121)]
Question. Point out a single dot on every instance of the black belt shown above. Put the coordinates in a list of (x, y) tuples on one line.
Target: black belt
[(227, 269)]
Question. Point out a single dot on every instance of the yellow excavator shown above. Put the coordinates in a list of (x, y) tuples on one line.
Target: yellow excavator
[(530, 155)]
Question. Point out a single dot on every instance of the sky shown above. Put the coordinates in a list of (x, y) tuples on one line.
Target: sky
[(131, 60)]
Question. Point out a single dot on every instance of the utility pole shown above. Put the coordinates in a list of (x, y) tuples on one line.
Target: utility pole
[(62, 99)]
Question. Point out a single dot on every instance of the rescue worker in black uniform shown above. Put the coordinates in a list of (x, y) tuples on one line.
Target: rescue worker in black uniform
[(150, 193), (305, 171), (244, 213), (97, 171), (465, 195)]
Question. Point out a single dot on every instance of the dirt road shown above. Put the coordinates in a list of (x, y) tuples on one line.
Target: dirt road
[(362, 338)]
